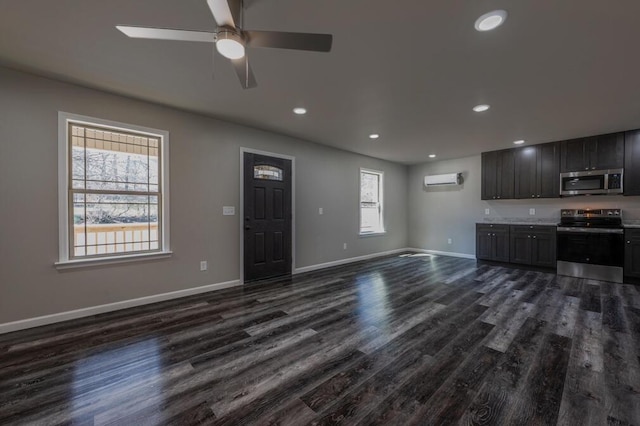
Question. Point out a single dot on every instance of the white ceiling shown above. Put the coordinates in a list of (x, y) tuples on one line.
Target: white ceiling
[(409, 70)]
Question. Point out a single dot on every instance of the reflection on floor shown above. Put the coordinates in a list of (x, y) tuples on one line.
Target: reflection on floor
[(411, 339)]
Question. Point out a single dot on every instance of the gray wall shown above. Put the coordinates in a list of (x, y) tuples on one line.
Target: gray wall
[(204, 156), (436, 214)]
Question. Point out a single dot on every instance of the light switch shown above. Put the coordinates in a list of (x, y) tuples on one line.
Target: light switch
[(487, 211), (320, 210), (532, 212), (228, 210)]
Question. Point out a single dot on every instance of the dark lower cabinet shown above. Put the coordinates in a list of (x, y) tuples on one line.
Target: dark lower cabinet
[(632, 253), (533, 245), (492, 242), (632, 163)]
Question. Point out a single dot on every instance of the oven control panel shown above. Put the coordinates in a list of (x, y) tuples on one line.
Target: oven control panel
[(590, 213)]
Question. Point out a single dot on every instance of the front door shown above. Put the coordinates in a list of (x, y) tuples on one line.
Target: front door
[(267, 216)]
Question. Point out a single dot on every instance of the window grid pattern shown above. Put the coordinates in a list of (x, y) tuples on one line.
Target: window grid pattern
[(114, 191)]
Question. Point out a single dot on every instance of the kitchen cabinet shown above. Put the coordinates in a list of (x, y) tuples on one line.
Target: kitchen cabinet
[(533, 245), (600, 152), (632, 163), (632, 253), (492, 242), (498, 175), (537, 170)]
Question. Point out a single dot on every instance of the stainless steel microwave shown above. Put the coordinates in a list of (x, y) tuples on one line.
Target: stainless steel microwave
[(591, 182)]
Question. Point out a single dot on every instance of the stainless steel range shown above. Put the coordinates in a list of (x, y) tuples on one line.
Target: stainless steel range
[(591, 244)]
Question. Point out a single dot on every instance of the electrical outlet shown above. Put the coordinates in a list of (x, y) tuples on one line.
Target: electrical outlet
[(320, 210), (344, 246), (449, 241), (228, 210), (487, 211), (203, 265), (532, 212)]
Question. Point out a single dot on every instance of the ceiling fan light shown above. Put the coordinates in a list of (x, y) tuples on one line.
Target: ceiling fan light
[(230, 45)]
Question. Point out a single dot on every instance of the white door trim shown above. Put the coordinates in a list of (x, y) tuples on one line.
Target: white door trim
[(293, 204)]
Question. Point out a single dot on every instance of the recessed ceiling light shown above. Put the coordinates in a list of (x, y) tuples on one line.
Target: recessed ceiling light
[(432, 156), (300, 111), (520, 142), (481, 108), (374, 136), (491, 20)]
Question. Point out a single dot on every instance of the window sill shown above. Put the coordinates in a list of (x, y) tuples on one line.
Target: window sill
[(372, 234), (83, 263)]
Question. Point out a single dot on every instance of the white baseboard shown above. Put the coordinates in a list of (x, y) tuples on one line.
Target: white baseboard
[(349, 260), (443, 253), (109, 307)]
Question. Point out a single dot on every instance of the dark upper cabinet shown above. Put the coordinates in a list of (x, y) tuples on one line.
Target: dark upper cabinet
[(608, 152), (548, 178), (492, 242), (498, 175), (573, 155), (533, 245), (632, 163), (537, 171), (632, 253), (593, 153)]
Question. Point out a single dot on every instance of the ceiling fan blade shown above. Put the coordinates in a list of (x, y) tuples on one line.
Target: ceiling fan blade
[(167, 34), (226, 13), (282, 40), (245, 74)]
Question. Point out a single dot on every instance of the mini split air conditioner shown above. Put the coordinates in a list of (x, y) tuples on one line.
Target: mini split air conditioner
[(446, 179)]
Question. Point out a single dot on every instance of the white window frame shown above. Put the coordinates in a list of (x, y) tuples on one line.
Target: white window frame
[(64, 259), (380, 174)]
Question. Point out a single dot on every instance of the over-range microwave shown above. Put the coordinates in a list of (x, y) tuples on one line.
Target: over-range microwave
[(591, 182)]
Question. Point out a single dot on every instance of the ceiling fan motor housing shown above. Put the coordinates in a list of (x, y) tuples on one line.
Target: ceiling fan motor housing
[(230, 43)]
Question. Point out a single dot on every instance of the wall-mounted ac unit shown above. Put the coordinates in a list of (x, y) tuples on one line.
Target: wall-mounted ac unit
[(446, 179)]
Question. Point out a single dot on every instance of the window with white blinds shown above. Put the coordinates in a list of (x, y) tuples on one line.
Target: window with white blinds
[(371, 208), (115, 199)]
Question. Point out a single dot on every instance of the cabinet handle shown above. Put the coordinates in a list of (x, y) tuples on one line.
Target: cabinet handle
[(628, 242), (528, 236), (498, 197), (586, 168), (532, 196), (534, 237), (593, 168), (538, 195)]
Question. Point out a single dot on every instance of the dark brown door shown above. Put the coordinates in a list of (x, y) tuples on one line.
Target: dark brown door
[(267, 217)]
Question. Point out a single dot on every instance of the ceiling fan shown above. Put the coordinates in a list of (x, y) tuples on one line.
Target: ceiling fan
[(231, 40)]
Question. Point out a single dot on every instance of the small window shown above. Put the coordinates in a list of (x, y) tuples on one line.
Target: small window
[(267, 172), (114, 201), (371, 208)]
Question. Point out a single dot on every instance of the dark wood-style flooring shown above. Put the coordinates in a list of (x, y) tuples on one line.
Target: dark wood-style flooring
[(400, 340)]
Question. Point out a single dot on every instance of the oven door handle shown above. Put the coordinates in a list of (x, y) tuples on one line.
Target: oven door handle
[(590, 230)]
